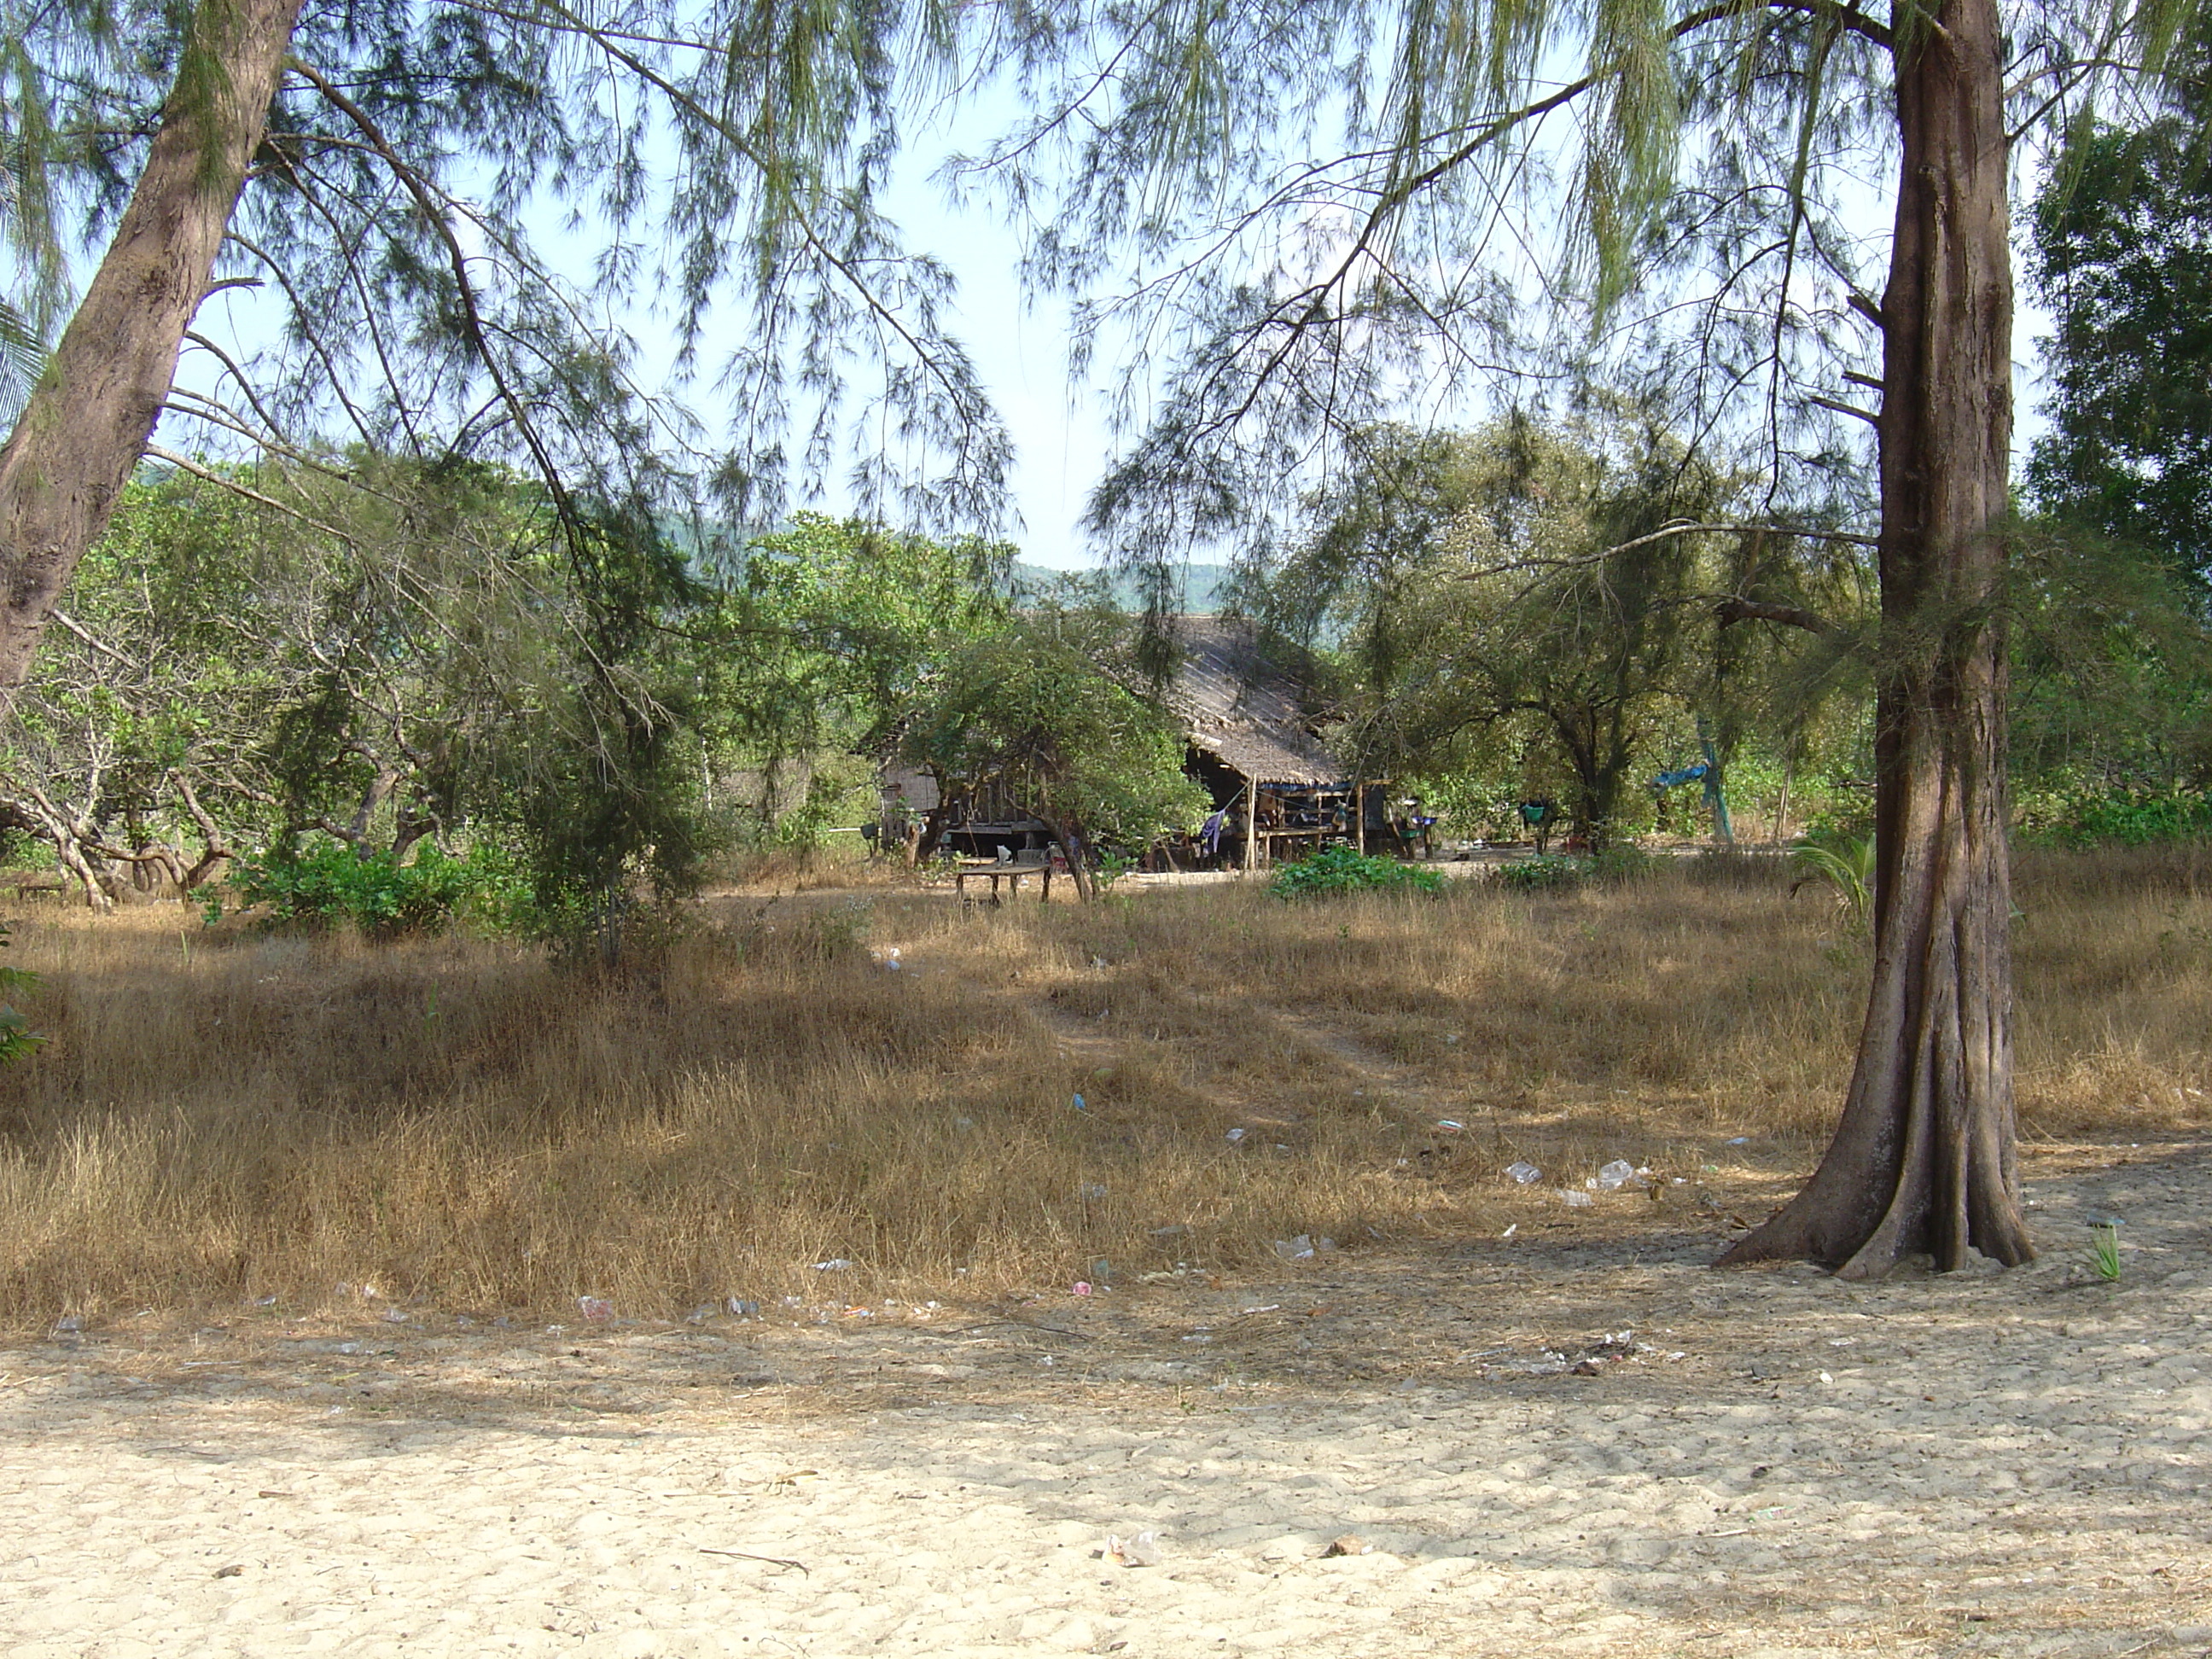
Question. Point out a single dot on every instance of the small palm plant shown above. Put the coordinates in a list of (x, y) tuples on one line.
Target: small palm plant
[(1846, 864), (2105, 1248)]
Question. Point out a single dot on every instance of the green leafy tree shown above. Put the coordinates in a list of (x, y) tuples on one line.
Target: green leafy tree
[(1517, 591), (1051, 714), (134, 752), (2123, 257), (832, 628)]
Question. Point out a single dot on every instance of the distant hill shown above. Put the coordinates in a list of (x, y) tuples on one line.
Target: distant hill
[(1203, 585)]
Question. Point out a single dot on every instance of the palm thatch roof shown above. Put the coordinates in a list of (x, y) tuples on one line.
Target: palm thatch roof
[(1243, 707)]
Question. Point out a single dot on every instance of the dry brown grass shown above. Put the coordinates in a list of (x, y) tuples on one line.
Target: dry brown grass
[(236, 1115)]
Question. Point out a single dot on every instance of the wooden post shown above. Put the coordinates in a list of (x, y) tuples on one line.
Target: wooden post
[(1251, 823), (1360, 817)]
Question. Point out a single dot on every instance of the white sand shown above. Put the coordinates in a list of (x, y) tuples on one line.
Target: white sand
[(1993, 1464)]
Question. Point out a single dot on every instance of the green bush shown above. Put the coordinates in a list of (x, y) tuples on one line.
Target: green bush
[(1546, 873), (2118, 818), (17, 1039), (1341, 870), (331, 882)]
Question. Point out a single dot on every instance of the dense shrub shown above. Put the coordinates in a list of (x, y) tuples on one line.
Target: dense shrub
[(1341, 870), (331, 882), (2118, 817)]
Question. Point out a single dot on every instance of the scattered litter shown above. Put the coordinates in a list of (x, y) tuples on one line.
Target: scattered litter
[(891, 962), (1175, 1231), (1452, 1124), (597, 1309), (1102, 1273), (1611, 1178), (1347, 1543), (231, 1572), (700, 1315), (348, 1347), (1142, 1551), (69, 1322), (1081, 1287), (741, 1309), (1451, 1037), (1524, 1172), (793, 1302), (1574, 1200), (1825, 1377), (1300, 1248), (1098, 962), (963, 1125), (1235, 1135), (1095, 1190), (1740, 1140), (1079, 1106), (393, 1316), (1510, 1230), (835, 1264), (265, 1302), (1266, 1307)]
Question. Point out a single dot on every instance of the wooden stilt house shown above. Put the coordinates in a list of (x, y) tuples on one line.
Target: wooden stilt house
[(1252, 726)]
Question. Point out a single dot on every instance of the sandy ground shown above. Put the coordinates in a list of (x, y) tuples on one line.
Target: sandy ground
[(1574, 1440)]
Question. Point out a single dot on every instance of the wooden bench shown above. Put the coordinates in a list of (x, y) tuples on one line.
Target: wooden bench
[(995, 873)]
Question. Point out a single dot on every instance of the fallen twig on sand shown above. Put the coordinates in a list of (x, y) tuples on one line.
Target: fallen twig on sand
[(743, 1555)]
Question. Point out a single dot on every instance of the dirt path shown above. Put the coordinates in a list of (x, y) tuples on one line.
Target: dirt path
[(1576, 1440)]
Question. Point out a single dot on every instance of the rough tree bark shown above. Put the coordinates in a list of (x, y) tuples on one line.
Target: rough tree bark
[(88, 419), (1924, 1159)]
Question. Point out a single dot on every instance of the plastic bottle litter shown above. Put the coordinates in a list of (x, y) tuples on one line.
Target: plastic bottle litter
[(69, 1322), (1235, 1135), (1451, 1124), (597, 1309), (741, 1309), (1300, 1248), (1524, 1172), (1574, 1200), (1740, 1140), (1079, 1106), (1142, 1551), (835, 1264), (1616, 1175)]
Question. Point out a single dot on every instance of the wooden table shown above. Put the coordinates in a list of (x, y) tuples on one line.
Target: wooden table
[(1011, 873)]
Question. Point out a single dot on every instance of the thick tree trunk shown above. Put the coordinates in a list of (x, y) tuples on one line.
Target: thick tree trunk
[(1924, 1159), (86, 422)]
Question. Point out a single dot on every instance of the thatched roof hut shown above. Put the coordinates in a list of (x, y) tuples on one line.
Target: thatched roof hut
[(1243, 709)]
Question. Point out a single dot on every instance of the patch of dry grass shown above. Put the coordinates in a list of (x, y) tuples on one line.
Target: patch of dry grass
[(235, 1115)]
